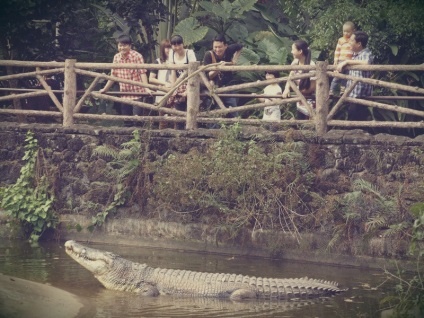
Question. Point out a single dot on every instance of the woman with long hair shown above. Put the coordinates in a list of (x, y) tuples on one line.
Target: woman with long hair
[(302, 56), (179, 55), (161, 77)]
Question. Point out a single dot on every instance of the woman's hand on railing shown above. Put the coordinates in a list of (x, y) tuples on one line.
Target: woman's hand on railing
[(148, 91)]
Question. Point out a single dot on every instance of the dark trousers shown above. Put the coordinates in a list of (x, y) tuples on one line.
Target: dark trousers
[(230, 102), (182, 107), (129, 110), (357, 112)]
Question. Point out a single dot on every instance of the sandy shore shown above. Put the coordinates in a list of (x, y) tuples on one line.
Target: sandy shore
[(22, 298)]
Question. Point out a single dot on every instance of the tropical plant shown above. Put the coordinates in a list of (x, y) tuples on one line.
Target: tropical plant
[(138, 19), (30, 199), (128, 166), (223, 17)]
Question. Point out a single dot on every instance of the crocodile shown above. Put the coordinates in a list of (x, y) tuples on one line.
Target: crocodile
[(117, 273)]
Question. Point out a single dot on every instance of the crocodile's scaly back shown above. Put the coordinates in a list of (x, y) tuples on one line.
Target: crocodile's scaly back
[(117, 273)]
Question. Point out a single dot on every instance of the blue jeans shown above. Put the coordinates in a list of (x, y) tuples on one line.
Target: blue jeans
[(337, 82)]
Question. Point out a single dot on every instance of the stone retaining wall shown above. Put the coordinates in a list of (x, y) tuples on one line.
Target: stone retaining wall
[(391, 162)]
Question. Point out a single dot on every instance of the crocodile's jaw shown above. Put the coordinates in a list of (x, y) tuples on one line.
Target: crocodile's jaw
[(95, 261)]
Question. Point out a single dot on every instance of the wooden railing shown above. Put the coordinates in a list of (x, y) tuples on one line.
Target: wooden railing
[(194, 74)]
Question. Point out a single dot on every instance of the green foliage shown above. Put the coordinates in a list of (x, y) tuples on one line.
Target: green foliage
[(219, 17), (395, 27), (408, 300), (30, 199), (128, 166), (193, 31), (50, 30), (235, 184), (138, 19), (366, 212), (418, 229)]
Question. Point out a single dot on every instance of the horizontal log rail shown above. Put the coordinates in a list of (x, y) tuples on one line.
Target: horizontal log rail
[(195, 76)]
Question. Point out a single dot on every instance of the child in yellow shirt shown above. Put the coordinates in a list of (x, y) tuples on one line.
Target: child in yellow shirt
[(342, 53)]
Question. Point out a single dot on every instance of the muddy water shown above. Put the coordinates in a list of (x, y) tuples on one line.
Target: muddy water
[(48, 263)]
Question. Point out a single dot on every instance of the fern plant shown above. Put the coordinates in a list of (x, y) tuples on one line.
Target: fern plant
[(128, 168), (367, 212)]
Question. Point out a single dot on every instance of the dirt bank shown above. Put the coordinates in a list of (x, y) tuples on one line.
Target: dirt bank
[(22, 298)]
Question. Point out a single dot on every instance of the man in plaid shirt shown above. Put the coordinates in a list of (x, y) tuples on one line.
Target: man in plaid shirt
[(127, 55), (361, 56)]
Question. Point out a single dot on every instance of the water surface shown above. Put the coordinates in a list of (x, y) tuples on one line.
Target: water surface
[(48, 263)]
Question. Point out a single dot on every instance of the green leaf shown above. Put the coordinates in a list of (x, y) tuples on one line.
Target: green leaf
[(417, 209), (34, 237), (248, 57), (217, 9), (190, 30), (78, 227), (395, 49), (241, 6), (237, 32), (276, 53)]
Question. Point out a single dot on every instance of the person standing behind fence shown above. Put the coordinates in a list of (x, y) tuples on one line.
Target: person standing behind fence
[(271, 112), (342, 53), (127, 55), (161, 77), (302, 56), (221, 51), (179, 55), (361, 56)]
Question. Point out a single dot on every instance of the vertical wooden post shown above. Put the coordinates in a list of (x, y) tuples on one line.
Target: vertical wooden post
[(13, 83), (322, 98), (70, 93), (193, 96)]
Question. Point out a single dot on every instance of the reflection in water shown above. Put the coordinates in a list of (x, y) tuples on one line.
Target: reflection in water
[(48, 263), (167, 306)]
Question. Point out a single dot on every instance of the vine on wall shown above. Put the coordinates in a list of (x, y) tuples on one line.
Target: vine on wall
[(30, 199)]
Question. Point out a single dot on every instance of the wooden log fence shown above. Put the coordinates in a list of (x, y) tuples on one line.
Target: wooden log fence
[(198, 86)]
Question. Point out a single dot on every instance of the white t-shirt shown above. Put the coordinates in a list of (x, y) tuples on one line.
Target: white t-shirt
[(272, 112), (189, 56)]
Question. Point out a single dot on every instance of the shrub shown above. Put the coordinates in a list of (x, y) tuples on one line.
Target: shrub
[(235, 184)]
